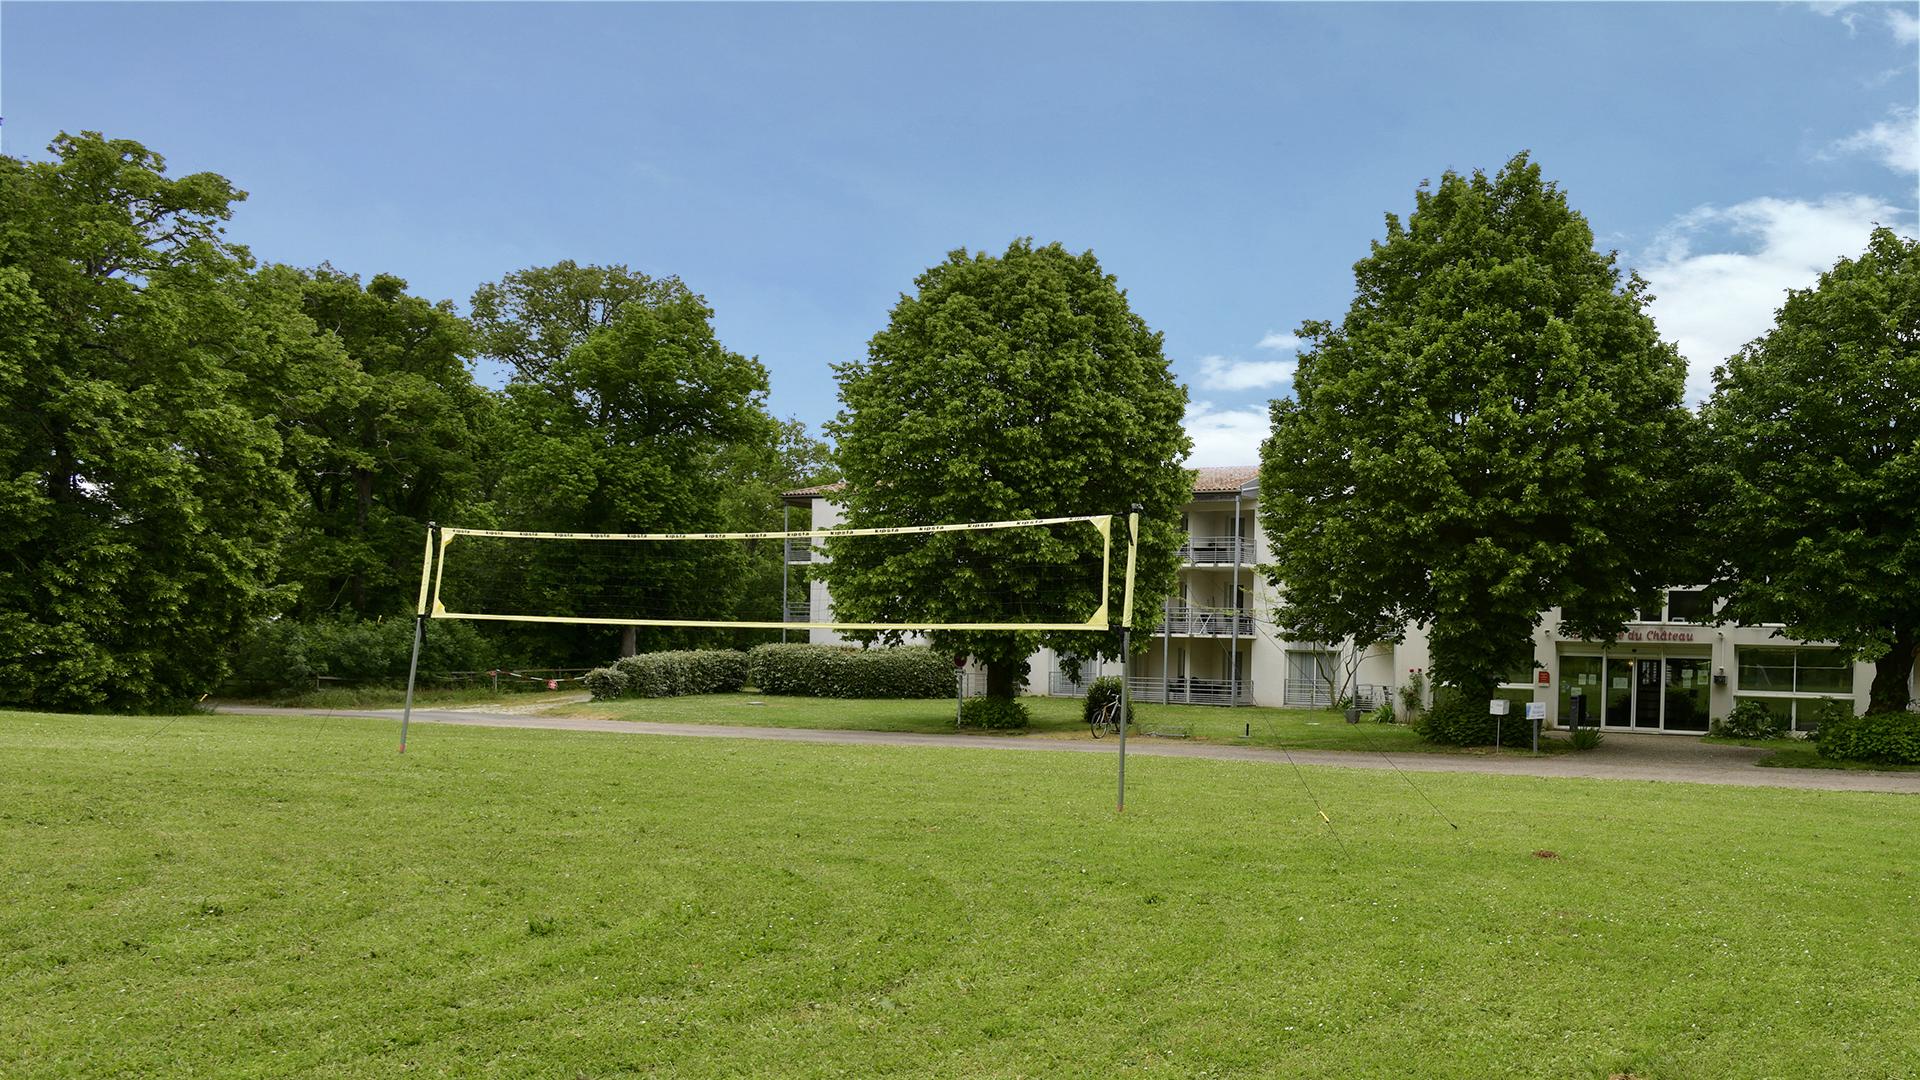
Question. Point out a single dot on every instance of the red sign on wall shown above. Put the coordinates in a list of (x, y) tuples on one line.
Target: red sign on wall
[(1543, 678)]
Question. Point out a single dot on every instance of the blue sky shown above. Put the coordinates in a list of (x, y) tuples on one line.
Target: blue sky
[(799, 164)]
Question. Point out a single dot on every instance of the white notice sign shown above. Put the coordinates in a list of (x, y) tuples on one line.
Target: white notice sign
[(1536, 710)]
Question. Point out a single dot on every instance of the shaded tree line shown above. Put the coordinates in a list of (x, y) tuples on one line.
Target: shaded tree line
[(205, 453)]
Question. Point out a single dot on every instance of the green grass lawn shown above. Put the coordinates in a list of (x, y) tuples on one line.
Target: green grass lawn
[(392, 697), (231, 896), (1295, 729)]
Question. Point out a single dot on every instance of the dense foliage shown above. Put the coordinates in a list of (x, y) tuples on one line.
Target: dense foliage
[(677, 672), (1492, 431), (994, 714), (1883, 738), (398, 434), (1748, 719), (210, 464), (843, 672), (624, 430), (1007, 387), (290, 655), (142, 492), (1816, 435)]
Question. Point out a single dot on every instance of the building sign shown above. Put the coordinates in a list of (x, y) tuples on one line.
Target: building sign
[(1542, 677), (1657, 633)]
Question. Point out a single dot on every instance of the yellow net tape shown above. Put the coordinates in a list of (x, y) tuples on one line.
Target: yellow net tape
[(433, 570)]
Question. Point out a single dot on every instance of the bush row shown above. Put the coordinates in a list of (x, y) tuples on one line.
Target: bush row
[(801, 670), (844, 672), (670, 674), (1887, 738)]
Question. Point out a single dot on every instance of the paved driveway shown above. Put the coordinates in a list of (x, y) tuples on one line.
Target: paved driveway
[(1621, 757)]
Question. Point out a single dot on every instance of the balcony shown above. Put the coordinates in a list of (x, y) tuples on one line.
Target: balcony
[(1187, 621), (1167, 691), (1215, 551), (799, 611), (1318, 694), (799, 550)]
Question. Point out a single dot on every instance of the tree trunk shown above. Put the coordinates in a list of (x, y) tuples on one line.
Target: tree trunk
[(629, 640), (1890, 673), (1000, 679)]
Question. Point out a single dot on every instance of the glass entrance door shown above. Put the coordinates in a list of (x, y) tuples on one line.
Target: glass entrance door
[(1646, 694)]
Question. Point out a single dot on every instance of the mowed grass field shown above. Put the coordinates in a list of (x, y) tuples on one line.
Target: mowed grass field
[(233, 896)]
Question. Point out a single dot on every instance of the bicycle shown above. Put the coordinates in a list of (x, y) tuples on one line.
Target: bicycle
[(1106, 721)]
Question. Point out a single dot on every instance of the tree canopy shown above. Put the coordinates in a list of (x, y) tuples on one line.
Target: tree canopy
[(144, 497), (1816, 438), (630, 429), (1005, 387), (1494, 429)]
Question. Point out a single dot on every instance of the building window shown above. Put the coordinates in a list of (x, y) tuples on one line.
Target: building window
[(1790, 682), (1310, 674), (1688, 606)]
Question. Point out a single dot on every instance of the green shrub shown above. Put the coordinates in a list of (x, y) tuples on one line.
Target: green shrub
[(1100, 693), (1750, 720), (676, 673), (846, 672), (1886, 738), (1383, 714), (993, 714), (1586, 738), (1413, 694), (284, 654), (605, 683), (1457, 720)]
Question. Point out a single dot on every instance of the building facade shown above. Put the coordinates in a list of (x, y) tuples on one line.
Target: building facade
[(1673, 670)]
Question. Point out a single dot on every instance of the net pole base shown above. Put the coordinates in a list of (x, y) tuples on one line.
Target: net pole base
[(413, 670), (1126, 706)]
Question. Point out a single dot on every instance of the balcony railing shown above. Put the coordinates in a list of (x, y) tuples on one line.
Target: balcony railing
[(800, 551), (1207, 622), (1215, 551), (1171, 691), (800, 611), (1317, 693)]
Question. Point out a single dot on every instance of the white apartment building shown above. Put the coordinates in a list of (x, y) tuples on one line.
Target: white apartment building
[(1671, 671)]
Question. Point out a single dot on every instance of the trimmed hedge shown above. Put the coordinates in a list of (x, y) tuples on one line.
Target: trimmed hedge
[(1887, 738), (605, 683), (671, 674), (1101, 692), (845, 672), (993, 714)]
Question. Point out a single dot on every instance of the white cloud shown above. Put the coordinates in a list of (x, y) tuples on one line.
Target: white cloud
[(1230, 373), (1896, 141), (1905, 26), (1230, 436), (1713, 302), (1221, 373), (1903, 23)]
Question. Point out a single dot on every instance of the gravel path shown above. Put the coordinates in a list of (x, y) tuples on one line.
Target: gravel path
[(1620, 757)]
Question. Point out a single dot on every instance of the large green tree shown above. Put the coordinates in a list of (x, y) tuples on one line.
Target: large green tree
[(630, 429), (392, 438), (142, 498), (1007, 386), (1815, 432), (1493, 430)]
